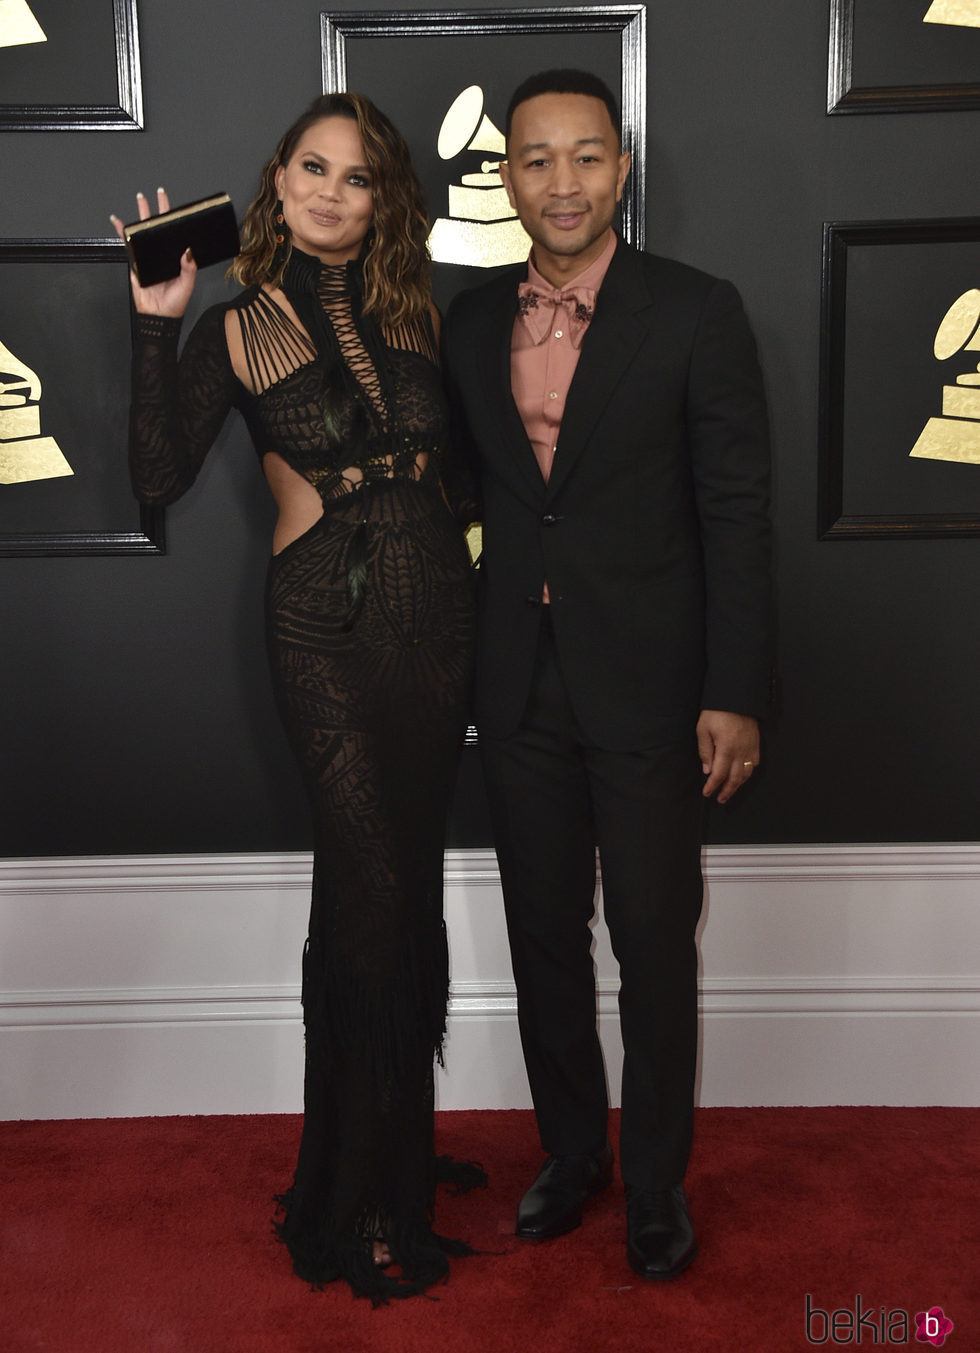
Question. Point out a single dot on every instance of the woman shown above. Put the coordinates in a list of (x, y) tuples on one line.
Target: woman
[(330, 354)]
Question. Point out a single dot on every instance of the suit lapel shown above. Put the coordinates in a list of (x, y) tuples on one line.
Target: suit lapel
[(515, 451), (610, 344)]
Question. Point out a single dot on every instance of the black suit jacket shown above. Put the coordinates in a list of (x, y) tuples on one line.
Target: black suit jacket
[(652, 531)]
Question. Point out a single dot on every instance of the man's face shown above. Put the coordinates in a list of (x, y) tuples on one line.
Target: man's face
[(564, 175)]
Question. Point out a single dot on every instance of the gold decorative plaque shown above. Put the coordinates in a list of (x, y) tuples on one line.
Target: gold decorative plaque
[(956, 435), (18, 25), (25, 455), (960, 13), (482, 229), (474, 542)]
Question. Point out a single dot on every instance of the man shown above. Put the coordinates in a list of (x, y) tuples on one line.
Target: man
[(614, 405)]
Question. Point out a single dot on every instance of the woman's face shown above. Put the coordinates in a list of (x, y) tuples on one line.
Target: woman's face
[(327, 192)]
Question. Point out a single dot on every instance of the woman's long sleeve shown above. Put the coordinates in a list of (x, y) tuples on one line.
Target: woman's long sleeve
[(178, 406)]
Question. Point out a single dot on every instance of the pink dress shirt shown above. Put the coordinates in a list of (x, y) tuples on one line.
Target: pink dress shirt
[(544, 353)]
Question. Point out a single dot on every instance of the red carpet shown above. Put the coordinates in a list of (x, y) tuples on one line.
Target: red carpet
[(152, 1236)]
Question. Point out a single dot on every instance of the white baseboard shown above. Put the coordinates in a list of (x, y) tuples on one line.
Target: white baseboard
[(155, 985)]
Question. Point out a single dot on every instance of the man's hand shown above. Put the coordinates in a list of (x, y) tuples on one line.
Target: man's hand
[(728, 745)]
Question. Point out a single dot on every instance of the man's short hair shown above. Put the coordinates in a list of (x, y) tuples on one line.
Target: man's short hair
[(565, 82)]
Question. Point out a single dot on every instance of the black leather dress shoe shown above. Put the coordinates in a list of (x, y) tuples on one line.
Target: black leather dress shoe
[(660, 1238), (553, 1204)]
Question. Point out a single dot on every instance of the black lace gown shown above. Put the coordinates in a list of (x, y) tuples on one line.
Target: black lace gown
[(369, 628)]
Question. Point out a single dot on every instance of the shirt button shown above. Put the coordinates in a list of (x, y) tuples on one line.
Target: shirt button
[(552, 394), (559, 333)]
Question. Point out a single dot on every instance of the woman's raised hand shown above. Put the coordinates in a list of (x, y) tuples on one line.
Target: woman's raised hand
[(169, 298)]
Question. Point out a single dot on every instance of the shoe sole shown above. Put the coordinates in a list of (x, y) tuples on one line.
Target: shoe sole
[(675, 1272), (552, 1233)]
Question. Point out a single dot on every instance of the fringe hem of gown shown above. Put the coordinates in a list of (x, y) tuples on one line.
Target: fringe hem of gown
[(386, 1036), (419, 1256), (386, 1046), (460, 1175)]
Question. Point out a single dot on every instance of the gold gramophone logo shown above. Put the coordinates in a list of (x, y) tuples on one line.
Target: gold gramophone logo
[(961, 13), (482, 229), (24, 454), (18, 25), (956, 435)]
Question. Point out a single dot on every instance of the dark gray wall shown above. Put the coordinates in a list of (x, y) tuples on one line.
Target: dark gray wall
[(135, 710)]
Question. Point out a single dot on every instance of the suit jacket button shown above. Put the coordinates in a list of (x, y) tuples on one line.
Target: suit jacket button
[(532, 601), (549, 519)]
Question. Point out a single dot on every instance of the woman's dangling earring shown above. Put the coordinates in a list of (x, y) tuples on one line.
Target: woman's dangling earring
[(281, 232)]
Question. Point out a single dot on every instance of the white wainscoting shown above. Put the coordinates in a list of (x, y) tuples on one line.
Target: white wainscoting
[(159, 985)]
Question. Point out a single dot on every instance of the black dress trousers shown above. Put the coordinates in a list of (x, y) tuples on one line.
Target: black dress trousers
[(555, 797)]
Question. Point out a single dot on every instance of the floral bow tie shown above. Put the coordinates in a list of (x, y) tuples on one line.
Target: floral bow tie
[(537, 306)]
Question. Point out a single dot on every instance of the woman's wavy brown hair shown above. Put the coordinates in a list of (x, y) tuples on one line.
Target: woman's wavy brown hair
[(397, 284)]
